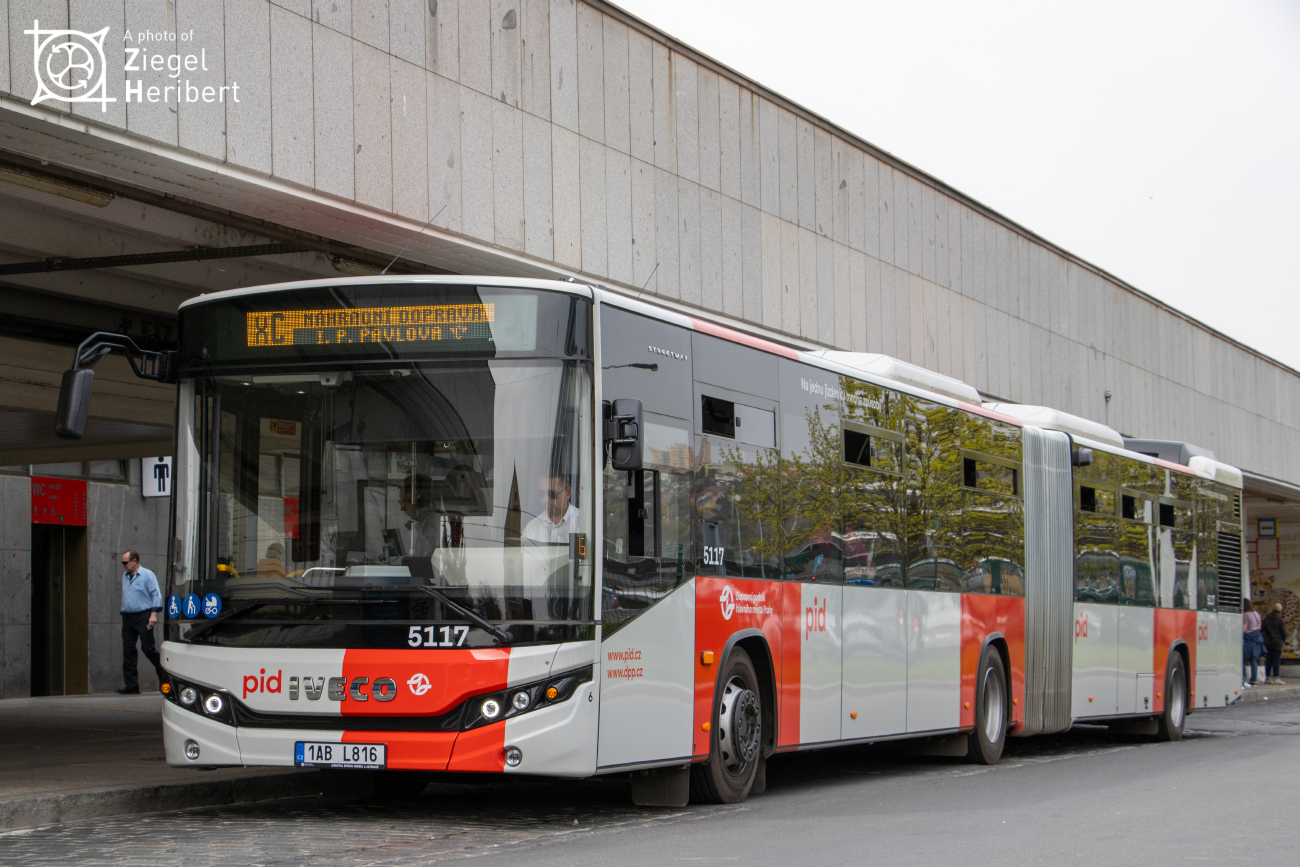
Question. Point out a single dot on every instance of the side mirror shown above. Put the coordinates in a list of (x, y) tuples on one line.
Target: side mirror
[(623, 433), (1081, 457), (74, 403)]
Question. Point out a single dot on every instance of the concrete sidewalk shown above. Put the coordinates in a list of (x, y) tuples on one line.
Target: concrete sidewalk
[(1263, 692), (82, 757)]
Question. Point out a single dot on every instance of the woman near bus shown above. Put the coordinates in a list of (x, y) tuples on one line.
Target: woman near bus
[(1274, 630), (1252, 645)]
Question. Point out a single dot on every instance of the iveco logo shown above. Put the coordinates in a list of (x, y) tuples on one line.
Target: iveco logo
[(728, 600), (668, 352), (419, 684)]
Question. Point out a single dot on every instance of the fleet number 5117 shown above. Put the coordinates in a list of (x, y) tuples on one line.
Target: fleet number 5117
[(427, 636)]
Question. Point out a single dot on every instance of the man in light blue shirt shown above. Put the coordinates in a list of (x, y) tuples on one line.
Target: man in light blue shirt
[(141, 602)]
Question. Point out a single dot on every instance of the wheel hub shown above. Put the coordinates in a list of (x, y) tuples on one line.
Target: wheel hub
[(1176, 701), (740, 726), (994, 712)]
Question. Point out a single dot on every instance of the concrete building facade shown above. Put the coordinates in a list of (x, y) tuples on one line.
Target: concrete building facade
[(538, 138)]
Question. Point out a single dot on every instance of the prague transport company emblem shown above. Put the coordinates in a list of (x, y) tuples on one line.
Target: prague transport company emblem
[(419, 683), (728, 600)]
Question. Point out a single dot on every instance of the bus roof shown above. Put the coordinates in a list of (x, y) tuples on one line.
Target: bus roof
[(573, 288), (875, 368)]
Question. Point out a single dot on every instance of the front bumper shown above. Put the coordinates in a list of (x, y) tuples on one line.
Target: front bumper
[(557, 740)]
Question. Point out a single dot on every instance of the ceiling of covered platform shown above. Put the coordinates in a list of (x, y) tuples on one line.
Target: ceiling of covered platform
[(63, 200)]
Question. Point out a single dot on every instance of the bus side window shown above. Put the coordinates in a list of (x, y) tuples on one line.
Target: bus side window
[(738, 509), (718, 417)]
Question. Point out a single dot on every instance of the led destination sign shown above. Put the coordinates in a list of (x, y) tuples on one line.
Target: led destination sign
[(433, 323)]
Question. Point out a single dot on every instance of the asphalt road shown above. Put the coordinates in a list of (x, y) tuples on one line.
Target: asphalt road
[(1226, 794)]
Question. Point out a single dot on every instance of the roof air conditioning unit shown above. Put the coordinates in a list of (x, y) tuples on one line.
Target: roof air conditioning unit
[(1054, 419), (902, 372)]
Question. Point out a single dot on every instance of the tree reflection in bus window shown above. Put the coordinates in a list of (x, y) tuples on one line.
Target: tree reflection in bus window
[(934, 464), (737, 505), (993, 526), (812, 476), (875, 498)]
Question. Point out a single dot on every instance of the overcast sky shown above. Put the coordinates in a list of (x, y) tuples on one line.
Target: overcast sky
[(1158, 140)]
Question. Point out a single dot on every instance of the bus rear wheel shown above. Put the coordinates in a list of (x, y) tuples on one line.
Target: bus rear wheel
[(1169, 726), (736, 736), (991, 701)]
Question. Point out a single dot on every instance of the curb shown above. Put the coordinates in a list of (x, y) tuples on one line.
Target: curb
[(17, 813), (1264, 694)]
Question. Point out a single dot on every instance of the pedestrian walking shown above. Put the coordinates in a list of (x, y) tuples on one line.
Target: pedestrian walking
[(141, 602), (1275, 633), (1252, 642)]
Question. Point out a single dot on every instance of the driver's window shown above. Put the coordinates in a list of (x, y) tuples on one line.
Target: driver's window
[(647, 526)]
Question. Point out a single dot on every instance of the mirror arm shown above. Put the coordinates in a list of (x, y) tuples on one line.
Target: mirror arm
[(79, 380), (159, 366), (622, 432)]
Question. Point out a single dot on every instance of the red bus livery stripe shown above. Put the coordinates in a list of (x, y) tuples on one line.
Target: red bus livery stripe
[(704, 327), (981, 617)]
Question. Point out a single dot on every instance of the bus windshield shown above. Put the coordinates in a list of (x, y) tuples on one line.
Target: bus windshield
[(322, 508)]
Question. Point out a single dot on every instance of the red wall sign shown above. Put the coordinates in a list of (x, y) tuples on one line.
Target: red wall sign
[(59, 501)]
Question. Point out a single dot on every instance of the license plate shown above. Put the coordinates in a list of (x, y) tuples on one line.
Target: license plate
[(311, 754)]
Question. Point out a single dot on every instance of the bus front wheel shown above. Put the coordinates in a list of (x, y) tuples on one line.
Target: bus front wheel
[(736, 736)]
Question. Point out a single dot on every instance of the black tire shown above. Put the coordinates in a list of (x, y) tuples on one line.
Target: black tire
[(399, 785), (736, 735), (992, 700), (1169, 725)]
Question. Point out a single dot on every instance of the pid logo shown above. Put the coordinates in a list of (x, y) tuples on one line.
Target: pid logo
[(1086, 627), (254, 683), (728, 601), (814, 618)]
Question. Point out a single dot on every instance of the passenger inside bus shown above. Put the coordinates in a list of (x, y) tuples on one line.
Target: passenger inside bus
[(559, 517), (272, 565)]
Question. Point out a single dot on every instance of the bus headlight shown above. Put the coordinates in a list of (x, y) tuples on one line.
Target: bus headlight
[(189, 695), (213, 704), (487, 708)]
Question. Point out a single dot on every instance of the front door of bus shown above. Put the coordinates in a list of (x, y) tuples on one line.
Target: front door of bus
[(647, 606)]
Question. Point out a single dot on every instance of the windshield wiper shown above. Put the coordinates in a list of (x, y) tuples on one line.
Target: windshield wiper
[(497, 632), (501, 636), (238, 611), (248, 608)]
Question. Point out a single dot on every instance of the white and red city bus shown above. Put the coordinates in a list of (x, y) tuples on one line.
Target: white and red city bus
[(501, 525)]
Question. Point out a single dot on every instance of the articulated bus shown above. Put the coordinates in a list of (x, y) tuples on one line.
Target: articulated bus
[(518, 526)]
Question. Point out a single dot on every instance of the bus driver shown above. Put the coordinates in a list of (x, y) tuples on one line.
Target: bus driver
[(559, 518), (422, 524)]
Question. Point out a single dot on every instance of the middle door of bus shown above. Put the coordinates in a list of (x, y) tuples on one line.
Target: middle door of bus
[(767, 505), (812, 553), (1096, 598)]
